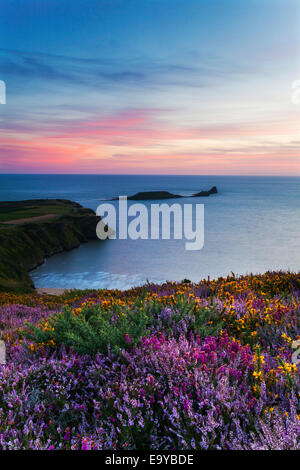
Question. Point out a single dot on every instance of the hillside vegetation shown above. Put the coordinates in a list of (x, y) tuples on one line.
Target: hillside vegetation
[(177, 366), (35, 229)]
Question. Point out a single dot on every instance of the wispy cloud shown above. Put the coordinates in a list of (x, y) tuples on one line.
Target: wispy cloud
[(139, 72)]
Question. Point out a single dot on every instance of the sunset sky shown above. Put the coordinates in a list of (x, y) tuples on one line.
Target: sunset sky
[(150, 86)]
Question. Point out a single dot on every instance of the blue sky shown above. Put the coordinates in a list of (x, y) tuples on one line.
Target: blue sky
[(147, 86)]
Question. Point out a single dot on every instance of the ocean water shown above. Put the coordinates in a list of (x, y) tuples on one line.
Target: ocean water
[(251, 225)]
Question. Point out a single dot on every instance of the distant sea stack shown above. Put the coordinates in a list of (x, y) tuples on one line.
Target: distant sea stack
[(156, 195), (213, 190)]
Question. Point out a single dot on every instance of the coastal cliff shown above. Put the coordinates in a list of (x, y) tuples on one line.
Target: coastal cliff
[(30, 231)]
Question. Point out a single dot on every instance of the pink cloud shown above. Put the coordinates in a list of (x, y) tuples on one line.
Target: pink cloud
[(149, 145)]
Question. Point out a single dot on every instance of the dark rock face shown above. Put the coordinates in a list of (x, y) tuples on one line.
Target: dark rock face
[(213, 190)]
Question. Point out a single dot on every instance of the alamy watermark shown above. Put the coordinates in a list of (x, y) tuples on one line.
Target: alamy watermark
[(295, 92), (2, 92), (2, 353), (296, 354), (139, 221)]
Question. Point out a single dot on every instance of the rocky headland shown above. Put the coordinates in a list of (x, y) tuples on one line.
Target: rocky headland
[(156, 195), (32, 230)]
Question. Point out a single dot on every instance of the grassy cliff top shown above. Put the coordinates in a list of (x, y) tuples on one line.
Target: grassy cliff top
[(18, 212)]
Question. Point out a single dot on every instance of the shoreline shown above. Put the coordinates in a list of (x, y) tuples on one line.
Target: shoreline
[(51, 290)]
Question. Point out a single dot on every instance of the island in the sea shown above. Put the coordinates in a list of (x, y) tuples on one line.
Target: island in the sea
[(32, 230), (155, 195)]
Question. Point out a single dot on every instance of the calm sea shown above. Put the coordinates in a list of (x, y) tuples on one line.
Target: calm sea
[(252, 225)]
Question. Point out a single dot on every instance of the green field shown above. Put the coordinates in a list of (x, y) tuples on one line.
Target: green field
[(27, 209)]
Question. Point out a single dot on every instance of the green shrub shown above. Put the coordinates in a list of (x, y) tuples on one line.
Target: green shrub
[(94, 328)]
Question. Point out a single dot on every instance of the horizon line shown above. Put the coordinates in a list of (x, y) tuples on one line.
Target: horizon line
[(149, 174)]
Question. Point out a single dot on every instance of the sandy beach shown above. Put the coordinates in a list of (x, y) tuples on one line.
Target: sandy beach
[(51, 290)]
